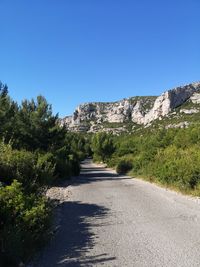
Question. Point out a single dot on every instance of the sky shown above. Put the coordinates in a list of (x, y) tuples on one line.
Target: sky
[(77, 51)]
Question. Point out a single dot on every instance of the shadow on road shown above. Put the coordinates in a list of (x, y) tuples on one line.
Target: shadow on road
[(74, 237), (93, 174), (96, 174)]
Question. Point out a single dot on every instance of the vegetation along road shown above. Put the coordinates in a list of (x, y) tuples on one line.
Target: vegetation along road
[(111, 220)]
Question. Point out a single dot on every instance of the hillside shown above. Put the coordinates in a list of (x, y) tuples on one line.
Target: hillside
[(177, 107)]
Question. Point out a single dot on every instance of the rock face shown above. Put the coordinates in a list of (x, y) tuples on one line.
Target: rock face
[(195, 98), (139, 110), (189, 111), (169, 100)]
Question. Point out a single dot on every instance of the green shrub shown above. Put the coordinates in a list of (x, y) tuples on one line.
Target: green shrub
[(24, 223), (75, 165), (67, 167), (32, 170), (124, 166), (112, 162), (45, 168), (178, 166), (62, 168), (139, 163), (171, 156), (80, 155), (34, 150), (16, 164), (102, 146)]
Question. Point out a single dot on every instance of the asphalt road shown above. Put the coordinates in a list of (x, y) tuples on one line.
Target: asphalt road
[(110, 220)]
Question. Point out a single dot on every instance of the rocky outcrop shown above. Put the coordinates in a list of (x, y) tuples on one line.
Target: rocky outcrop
[(169, 100), (189, 111), (140, 110), (195, 98), (184, 124)]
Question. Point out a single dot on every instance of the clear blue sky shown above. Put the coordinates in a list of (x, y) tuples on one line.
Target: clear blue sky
[(74, 51)]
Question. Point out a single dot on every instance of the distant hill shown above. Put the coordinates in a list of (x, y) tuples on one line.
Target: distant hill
[(177, 107)]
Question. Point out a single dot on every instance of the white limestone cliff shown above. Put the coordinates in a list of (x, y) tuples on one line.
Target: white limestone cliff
[(140, 110)]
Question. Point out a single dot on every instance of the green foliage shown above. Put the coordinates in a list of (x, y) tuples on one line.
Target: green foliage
[(178, 166), (15, 164), (37, 128), (102, 146), (34, 152), (32, 170), (24, 220), (8, 112), (127, 146), (45, 169), (74, 164), (170, 156), (124, 166)]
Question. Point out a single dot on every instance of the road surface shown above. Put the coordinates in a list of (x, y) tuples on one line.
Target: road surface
[(110, 220)]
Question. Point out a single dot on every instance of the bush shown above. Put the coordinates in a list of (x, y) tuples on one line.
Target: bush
[(34, 150), (178, 166), (63, 168), (112, 162), (32, 170), (81, 155), (45, 168), (24, 220), (16, 164), (102, 146), (74, 165), (124, 166), (67, 167), (139, 163)]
